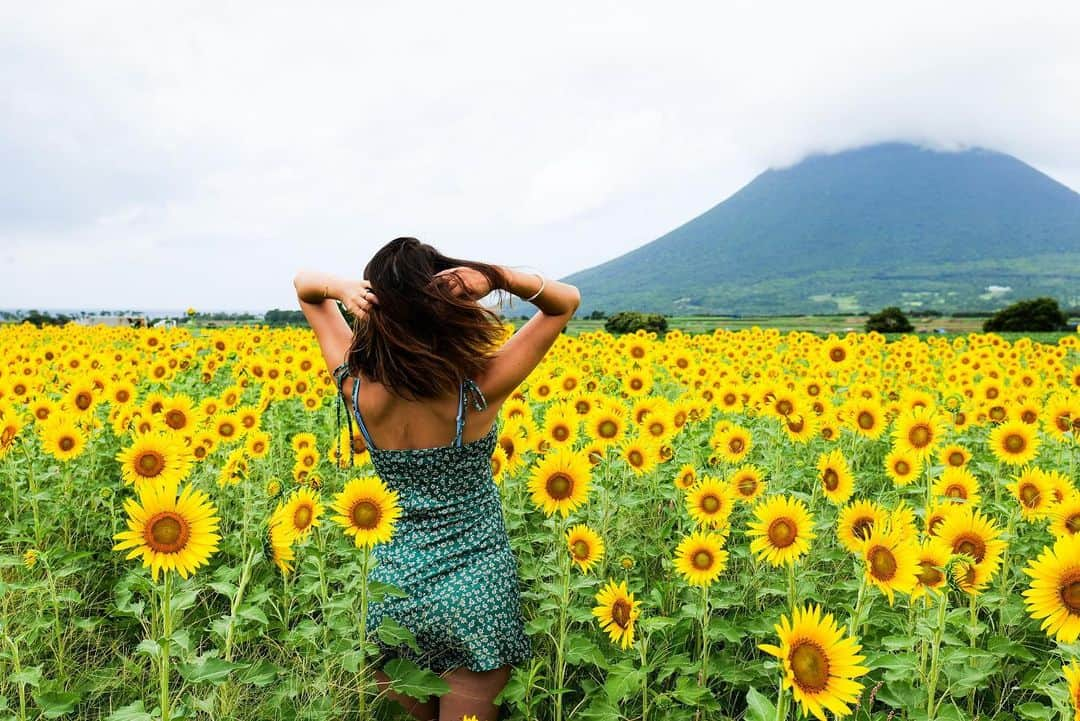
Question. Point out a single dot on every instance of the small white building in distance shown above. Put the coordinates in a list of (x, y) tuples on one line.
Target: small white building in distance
[(119, 321)]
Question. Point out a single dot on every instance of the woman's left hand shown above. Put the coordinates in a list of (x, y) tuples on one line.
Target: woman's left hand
[(357, 297)]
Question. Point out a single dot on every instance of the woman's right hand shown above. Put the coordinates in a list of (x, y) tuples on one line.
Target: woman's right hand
[(476, 283), (357, 297)]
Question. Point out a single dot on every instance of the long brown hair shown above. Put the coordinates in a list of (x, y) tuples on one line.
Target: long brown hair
[(420, 340)]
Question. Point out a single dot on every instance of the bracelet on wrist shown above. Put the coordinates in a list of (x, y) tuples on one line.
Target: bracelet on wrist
[(543, 283)]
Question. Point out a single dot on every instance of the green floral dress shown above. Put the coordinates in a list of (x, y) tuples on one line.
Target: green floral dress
[(450, 551)]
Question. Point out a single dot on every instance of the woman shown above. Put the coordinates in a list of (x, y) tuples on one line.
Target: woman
[(423, 351)]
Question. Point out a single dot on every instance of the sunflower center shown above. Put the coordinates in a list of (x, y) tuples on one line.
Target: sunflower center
[(82, 400), (175, 419), (656, 429), (866, 420), (919, 436), (580, 549), (150, 464), (710, 504), (837, 354), (636, 384), (882, 563), (972, 546), (956, 458), (736, 445), (1014, 443), (796, 426), (66, 443), (227, 429), (781, 533), (785, 407), (1073, 523), (702, 560), (559, 486), (956, 491), (928, 574), (560, 433), (1070, 593), (608, 429), (365, 515), (1029, 495), (810, 666), (747, 485), (302, 517), (635, 458), (862, 527), (902, 468), (831, 479), (167, 532), (997, 413), (620, 613), (1029, 416)]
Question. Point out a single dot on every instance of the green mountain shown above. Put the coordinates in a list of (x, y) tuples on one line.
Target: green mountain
[(889, 224)]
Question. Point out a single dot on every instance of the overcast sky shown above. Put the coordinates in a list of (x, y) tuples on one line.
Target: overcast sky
[(167, 154)]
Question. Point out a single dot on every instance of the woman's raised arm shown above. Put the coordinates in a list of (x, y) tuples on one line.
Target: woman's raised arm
[(557, 303)]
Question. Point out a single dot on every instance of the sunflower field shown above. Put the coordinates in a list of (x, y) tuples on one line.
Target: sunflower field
[(736, 525)]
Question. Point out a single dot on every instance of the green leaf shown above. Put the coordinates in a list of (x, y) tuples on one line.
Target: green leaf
[(254, 613), (208, 670), (30, 676), (758, 708), (56, 703), (182, 601), (378, 590), (1035, 711), (394, 634), (409, 679), (262, 673), (131, 712)]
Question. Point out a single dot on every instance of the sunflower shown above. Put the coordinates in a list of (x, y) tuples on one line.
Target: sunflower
[(498, 465), (733, 444), (902, 466), (62, 439), (1032, 491), (856, 522), (1065, 516), (303, 440), (747, 482), (258, 444), (606, 425), (919, 430), (181, 414), (171, 533), (686, 477), (1072, 678), (932, 557), (783, 530), (701, 558), (891, 561), (836, 478), (302, 511), (820, 663), (1054, 594), (154, 456), (957, 483), (969, 532), (560, 481), (710, 503), (585, 545), (80, 397), (642, 454), (1014, 443), (560, 425), (227, 427), (617, 611), (367, 511), (954, 455), (279, 539), (936, 515), (866, 417)]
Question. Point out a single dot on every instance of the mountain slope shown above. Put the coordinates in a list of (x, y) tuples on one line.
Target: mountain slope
[(889, 224)]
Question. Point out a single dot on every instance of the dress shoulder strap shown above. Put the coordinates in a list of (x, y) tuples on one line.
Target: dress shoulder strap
[(479, 403)]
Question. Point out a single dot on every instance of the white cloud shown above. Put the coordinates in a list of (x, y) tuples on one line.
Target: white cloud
[(166, 155)]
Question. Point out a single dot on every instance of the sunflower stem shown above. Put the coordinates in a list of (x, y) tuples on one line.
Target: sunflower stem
[(642, 645), (362, 682), (856, 616), (560, 664), (781, 698), (57, 627), (166, 623), (245, 576), (974, 619), (17, 668), (935, 646), (33, 494), (793, 595), (703, 676)]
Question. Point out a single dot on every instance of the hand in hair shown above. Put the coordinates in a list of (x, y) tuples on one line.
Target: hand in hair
[(357, 297), (465, 282)]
